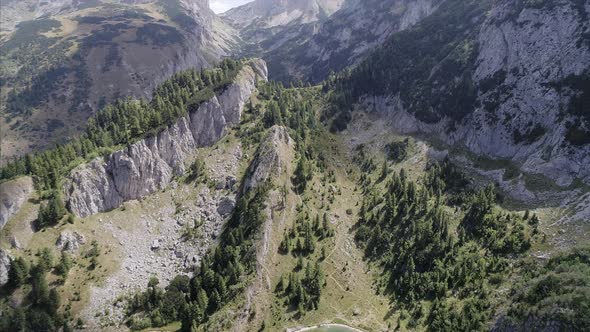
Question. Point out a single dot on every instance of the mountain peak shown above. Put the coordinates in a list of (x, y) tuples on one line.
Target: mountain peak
[(272, 13)]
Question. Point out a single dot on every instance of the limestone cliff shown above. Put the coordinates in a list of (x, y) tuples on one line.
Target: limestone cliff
[(273, 13), (273, 162), (526, 66), (13, 194), (149, 165), (5, 260)]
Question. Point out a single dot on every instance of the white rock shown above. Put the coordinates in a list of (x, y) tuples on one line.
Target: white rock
[(69, 241)]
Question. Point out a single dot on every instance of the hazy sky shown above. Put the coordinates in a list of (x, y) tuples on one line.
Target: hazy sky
[(220, 6)]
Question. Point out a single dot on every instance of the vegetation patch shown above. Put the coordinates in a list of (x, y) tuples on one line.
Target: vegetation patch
[(557, 293)]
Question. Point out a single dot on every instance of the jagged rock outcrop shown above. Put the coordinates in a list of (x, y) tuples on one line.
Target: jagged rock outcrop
[(70, 241), (272, 162), (149, 165), (4, 267), (13, 194), (270, 158)]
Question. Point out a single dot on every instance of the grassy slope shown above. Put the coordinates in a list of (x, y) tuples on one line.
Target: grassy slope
[(349, 296), (102, 227)]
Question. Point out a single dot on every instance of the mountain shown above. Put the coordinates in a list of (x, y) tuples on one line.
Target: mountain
[(310, 51), (271, 13), (63, 60), (490, 83), (434, 179)]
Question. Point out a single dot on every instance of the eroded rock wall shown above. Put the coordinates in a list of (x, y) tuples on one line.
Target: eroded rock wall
[(150, 164)]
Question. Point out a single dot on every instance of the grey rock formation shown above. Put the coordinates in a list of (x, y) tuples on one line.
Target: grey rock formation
[(226, 206), (273, 13), (149, 165), (14, 242), (309, 47), (13, 194), (4, 267), (270, 157), (70, 241), (525, 54)]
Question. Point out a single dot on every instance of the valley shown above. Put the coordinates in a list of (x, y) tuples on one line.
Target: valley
[(429, 175)]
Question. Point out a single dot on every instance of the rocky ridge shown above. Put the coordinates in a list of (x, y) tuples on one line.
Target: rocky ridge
[(273, 13), (165, 250), (150, 164), (90, 53), (273, 162), (271, 158)]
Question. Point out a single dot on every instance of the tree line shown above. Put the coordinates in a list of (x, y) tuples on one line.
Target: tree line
[(124, 122)]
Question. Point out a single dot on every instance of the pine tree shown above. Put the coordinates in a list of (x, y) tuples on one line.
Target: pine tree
[(53, 302), (45, 260), (64, 265), (384, 170), (40, 290), (18, 321), (302, 174), (18, 272)]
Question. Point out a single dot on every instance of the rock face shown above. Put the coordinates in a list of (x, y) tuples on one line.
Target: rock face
[(226, 206), (149, 165), (531, 61), (176, 228), (70, 241), (4, 267), (311, 49), (270, 158), (12, 196), (273, 13)]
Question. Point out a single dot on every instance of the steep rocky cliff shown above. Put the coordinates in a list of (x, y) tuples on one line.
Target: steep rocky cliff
[(335, 41), (272, 159), (149, 165), (13, 194), (64, 60), (4, 266), (511, 84)]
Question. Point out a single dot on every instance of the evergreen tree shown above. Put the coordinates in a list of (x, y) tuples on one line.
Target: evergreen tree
[(64, 265), (18, 272), (40, 290)]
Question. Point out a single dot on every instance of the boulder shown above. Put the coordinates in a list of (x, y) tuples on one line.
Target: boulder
[(155, 245), (69, 241), (226, 206)]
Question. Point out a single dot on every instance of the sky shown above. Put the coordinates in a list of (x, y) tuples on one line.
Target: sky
[(220, 6)]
